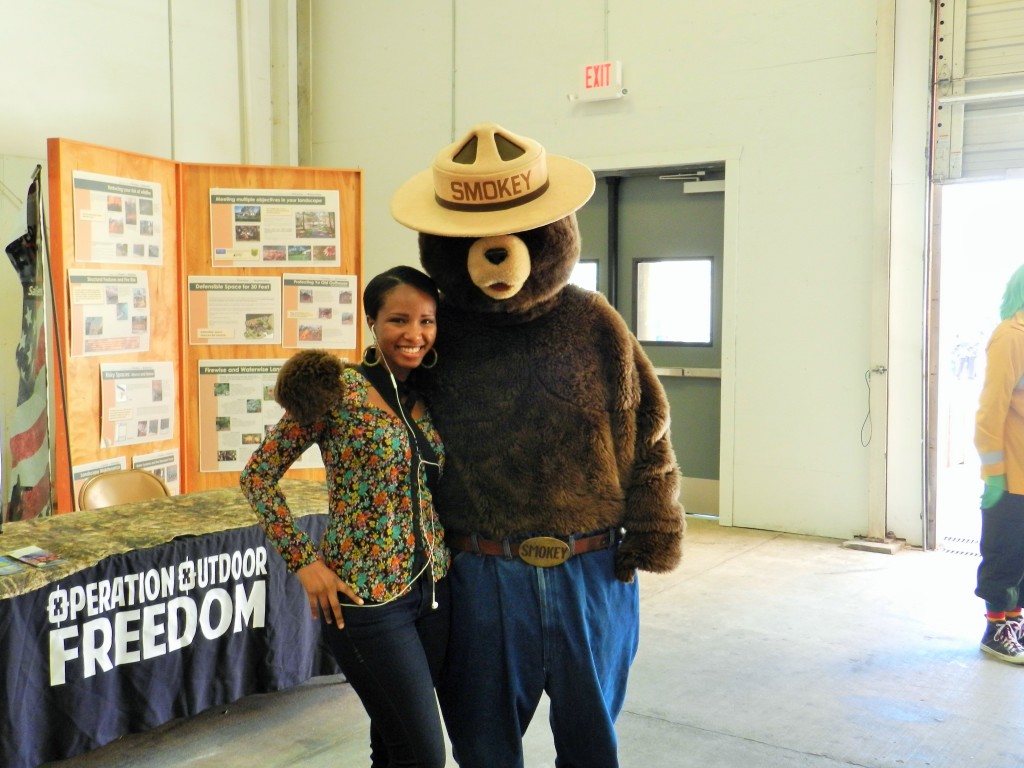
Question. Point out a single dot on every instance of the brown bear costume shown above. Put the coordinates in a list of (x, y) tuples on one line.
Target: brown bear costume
[(560, 479)]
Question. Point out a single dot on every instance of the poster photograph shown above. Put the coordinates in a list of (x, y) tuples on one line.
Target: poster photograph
[(110, 311), (136, 403), (275, 228), (164, 464), (319, 311), (236, 409), (117, 221), (234, 310)]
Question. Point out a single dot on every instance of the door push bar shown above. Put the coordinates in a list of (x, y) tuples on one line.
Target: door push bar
[(690, 373)]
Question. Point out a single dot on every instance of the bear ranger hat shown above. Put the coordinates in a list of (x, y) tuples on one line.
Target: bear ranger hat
[(492, 182)]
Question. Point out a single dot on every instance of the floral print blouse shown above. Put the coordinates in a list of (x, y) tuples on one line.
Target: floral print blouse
[(370, 539)]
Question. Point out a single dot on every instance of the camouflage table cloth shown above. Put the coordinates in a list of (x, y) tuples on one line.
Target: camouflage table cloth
[(83, 539)]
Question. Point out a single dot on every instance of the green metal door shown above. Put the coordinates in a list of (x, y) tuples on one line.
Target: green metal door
[(657, 240)]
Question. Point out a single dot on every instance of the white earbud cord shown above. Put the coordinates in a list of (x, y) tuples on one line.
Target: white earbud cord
[(418, 462)]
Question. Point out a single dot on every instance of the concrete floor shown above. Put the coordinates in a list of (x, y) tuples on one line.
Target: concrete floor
[(762, 649)]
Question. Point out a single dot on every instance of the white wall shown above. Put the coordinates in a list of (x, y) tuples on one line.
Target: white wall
[(793, 91), (909, 236), (157, 78)]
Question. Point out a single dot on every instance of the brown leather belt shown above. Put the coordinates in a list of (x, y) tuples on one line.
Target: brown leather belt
[(542, 551)]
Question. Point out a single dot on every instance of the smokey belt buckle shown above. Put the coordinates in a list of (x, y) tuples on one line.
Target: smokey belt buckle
[(540, 551), (543, 551)]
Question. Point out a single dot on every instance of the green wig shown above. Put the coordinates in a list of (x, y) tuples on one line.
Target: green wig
[(1013, 296)]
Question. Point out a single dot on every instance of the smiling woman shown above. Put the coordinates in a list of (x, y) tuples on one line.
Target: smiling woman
[(377, 580), (402, 319)]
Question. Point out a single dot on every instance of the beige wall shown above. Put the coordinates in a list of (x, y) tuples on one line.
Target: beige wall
[(104, 72), (802, 97), (823, 122)]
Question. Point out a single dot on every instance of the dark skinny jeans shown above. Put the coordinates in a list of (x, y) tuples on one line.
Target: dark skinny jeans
[(392, 655)]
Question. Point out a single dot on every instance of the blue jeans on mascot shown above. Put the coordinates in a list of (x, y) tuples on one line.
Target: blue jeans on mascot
[(518, 631)]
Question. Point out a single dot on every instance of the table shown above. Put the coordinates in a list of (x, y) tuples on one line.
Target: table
[(160, 610)]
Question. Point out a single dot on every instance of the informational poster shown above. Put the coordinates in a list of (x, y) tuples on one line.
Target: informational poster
[(236, 409), (234, 310), (109, 311), (82, 472), (136, 403), (319, 311), (117, 221), (275, 228), (164, 464)]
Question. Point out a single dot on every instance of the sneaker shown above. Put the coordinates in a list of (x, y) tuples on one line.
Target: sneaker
[(1000, 640)]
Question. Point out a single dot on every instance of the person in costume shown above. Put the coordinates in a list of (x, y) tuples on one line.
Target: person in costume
[(377, 579), (999, 438), (560, 479)]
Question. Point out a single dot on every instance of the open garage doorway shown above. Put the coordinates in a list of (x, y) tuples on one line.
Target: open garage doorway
[(980, 243)]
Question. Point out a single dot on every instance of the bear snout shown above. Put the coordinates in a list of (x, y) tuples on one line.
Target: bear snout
[(498, 265)]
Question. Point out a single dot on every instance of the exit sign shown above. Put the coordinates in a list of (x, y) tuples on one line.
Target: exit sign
[(602, 80)]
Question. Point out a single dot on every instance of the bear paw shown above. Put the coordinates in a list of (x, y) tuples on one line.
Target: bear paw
[(652, 551)]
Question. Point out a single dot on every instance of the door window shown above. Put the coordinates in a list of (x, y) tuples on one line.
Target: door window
[(673, 300)]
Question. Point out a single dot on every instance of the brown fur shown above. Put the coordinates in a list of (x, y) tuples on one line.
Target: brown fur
[(553, 253), (553, 419), (307, 384)]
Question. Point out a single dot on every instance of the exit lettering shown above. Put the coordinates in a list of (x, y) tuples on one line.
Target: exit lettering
[(597, 75)]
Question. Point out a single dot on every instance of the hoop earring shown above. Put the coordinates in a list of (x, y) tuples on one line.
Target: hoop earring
[(367, 361), (436, 356)]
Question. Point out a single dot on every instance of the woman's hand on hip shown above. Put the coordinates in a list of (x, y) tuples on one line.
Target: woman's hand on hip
[(322, 586)]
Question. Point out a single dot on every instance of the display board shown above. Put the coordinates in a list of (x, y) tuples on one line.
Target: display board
[(180, 289), (197, 236)]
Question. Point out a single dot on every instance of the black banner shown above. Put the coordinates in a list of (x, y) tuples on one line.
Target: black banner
[(149, 636)]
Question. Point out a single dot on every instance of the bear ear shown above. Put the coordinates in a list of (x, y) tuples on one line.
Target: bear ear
[(307, 384)]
